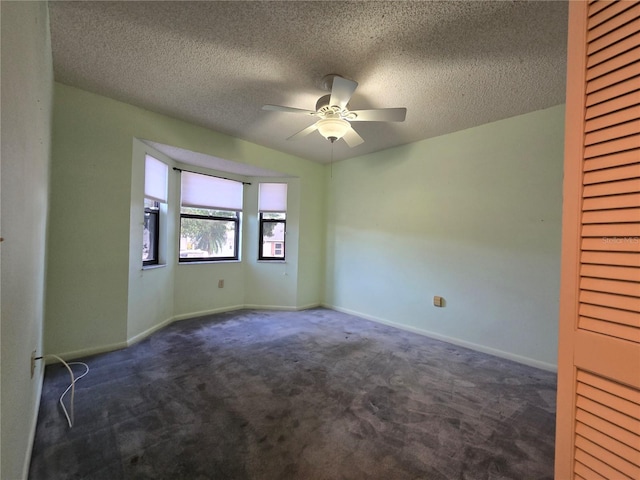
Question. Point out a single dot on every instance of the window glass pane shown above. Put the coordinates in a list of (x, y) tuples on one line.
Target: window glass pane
[(149, 237), (207, 238), (273, 239)]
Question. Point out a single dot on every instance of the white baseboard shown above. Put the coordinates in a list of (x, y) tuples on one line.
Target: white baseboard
[(86, 352), (202, 313), (455, 341), (287, 308), (142, 335), (309, 306)]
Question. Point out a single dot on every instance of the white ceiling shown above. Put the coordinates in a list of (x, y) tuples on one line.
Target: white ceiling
[(452, 64)]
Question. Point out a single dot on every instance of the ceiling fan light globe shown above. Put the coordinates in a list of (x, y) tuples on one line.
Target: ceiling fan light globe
[(333, 128)]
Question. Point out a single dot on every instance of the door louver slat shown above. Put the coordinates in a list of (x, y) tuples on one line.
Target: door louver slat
[(608, 202), (612, 133), (628, 100), (613, 315), (613, 232), (613, 77), (601, 438), (605, 14), (622, 88), (612, 188), (609, 429), (610, 300), (614, 49), (622, 215), (610, 329), (612, 174), (613, 146), (607, 426), (613, 37), (613, 64), (611, 258), (612, 118), (615, 22), (610, 286), (629, 274), (585, 473)]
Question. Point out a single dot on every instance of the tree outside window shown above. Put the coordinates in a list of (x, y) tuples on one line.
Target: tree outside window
[(273, 229), (207, 234)]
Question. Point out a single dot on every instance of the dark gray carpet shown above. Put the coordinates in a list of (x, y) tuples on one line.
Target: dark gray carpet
[(306, 395)]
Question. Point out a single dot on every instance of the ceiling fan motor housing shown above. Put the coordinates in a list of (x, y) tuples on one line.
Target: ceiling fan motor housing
[(323, 102), (329, 111)]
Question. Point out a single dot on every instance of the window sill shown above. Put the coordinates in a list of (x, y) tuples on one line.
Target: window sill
[(215, 262), (153, 267)]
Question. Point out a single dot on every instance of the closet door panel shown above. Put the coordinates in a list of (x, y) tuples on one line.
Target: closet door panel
[(598, 418)]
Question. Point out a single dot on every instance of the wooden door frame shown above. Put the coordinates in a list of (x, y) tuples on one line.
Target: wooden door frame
[(571, 229)]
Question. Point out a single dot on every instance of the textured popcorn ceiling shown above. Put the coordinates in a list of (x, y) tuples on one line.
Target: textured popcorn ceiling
[(453, 64)]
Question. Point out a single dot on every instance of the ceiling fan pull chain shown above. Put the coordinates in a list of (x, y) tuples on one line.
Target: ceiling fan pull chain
[(331, 163)]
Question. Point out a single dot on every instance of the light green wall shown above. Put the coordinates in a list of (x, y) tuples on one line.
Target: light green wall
[(312, 247), (88, 263), (473, 217), (99, 297), (150, 296), (274, 284), (27, 93)]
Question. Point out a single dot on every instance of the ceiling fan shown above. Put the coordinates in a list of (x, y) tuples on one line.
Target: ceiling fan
[(334, 115)]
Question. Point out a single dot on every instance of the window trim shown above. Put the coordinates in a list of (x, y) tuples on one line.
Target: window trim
[(236, 242), (261, 222)]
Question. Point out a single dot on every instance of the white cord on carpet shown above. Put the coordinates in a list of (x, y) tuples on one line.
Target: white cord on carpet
[(71, 385)]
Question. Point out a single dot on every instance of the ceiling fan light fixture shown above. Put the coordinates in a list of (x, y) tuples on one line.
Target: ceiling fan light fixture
[(333, 128)]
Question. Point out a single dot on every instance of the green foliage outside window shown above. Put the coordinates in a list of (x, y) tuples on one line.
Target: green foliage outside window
[(209, 233)]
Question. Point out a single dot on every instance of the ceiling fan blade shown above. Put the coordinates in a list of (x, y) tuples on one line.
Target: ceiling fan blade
[(352, 138), (341, 91), (380, 115), (280, 108), (304, 132)]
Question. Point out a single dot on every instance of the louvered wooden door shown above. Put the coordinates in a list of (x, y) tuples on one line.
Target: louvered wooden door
[(598, 421)]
